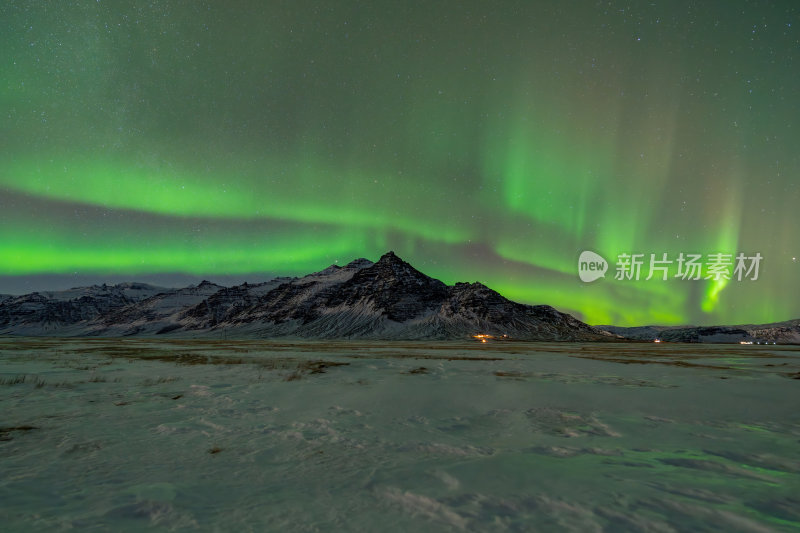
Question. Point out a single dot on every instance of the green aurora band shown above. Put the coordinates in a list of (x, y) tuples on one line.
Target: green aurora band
[(479, 143)]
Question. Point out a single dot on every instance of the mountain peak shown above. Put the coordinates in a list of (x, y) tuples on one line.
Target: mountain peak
[(359, 263), (329, 270), (391, 265), (390, 257)]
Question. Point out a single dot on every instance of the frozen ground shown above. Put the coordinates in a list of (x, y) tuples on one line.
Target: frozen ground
[(124, 435)]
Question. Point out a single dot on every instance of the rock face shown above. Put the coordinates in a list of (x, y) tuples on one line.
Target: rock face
[(388, 299)]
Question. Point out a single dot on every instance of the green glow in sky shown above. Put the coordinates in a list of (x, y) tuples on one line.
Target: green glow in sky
[(480, 142)]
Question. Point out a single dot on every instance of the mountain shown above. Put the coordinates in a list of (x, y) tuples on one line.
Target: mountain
[(388, 299), (779, 333), (150, 315), (67, 312)]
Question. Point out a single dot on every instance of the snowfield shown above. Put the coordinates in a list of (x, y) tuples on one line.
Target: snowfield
[(125, 435)]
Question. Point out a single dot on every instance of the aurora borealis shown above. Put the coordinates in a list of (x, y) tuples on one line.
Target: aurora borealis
[(479, 141)]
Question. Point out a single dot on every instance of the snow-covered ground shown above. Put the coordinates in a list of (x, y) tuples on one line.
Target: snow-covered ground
[(123, 435)]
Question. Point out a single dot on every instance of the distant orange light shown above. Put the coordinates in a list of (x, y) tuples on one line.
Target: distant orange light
[(483, 340)]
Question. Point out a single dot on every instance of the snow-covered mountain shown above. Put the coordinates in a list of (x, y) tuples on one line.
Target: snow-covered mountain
[(69, 311), (150, 315), (388, 299)]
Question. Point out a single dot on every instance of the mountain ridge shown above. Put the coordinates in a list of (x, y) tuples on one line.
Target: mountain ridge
[(388, 299), (785, 332)]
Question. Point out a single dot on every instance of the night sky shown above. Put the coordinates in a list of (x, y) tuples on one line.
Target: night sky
[(481, 141)]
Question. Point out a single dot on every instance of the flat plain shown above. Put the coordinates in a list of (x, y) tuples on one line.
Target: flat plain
[(128, 434)]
